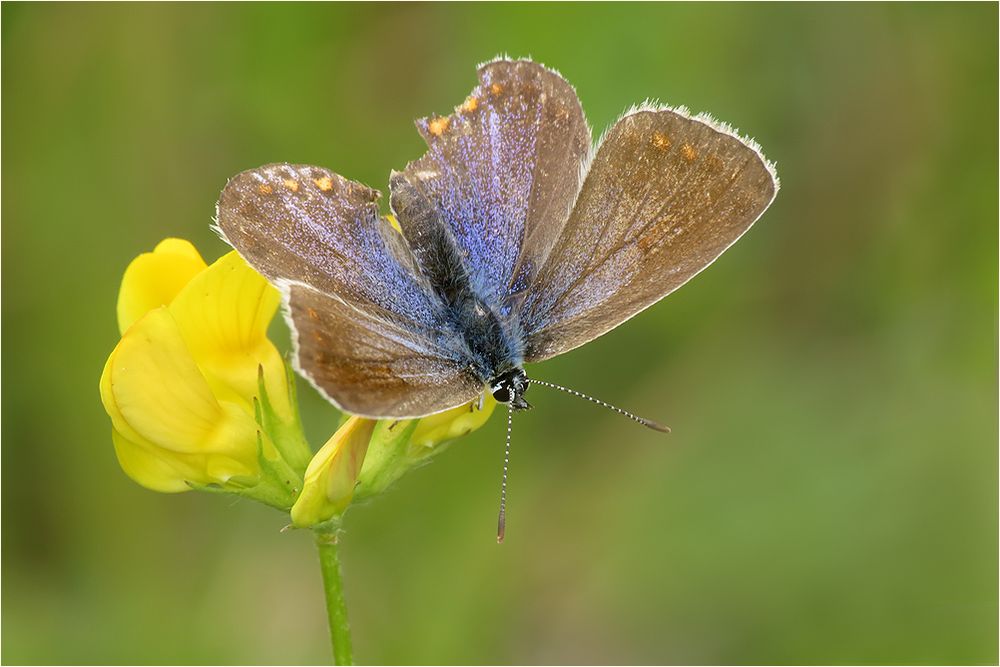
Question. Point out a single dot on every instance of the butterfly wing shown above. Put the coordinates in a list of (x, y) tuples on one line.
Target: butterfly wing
[(371, 333), (501, 174), (367, 366), (665, 195)]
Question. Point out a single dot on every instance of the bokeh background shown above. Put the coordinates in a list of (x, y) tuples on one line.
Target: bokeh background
[(829, 492)]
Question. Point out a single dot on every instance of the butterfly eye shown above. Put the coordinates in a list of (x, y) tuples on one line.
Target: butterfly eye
[(502, 393)]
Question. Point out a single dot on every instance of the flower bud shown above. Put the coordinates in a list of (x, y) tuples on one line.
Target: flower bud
[(364, 457), (332, 474), (398, 446)]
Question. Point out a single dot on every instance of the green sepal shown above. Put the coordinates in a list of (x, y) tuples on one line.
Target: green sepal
[(278, 484), (329, 529), (386, 460), (287, 436)]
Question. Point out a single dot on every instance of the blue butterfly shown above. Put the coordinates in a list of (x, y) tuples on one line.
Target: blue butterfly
[(516, 241)]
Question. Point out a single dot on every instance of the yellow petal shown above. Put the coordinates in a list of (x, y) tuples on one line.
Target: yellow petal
[(332, 473), (168, 471), (154, 278), (223, 314), (155, 393), (143, 465), (156, 387), (183, 247), (450, 424), (158, 468)]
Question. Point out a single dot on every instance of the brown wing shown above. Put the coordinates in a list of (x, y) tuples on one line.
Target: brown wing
[(665, 195), (501, 174), (368, 367), (310, 225), (355, 301)]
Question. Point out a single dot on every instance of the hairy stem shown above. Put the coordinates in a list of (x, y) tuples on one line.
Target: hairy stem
[(336, 609)]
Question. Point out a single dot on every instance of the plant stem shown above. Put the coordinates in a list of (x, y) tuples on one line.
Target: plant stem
[(336, 609)]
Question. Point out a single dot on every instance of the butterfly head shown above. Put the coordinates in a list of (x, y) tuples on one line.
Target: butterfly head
[(509, 387)]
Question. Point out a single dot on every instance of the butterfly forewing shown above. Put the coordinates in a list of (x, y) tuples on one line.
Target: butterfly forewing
[(666, 194), (372, 334), (502, 172), (308, 224)]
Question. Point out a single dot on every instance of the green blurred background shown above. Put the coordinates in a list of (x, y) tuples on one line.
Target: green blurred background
[(829, 493)]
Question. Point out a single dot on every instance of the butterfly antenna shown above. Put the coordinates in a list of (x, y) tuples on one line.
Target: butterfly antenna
[(656, 426), (502, 519)]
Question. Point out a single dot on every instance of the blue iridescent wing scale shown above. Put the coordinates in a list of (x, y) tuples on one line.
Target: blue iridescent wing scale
[(369, 368), (434, 247), (305, 226), (502, 172)]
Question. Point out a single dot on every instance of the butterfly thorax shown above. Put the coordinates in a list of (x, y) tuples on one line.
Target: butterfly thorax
[(495, 353)]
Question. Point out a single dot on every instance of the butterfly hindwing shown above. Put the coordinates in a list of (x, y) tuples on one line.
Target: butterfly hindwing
[(665, 195), (367, 366)]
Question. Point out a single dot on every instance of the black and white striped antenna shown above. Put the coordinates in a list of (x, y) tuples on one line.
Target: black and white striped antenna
[(649, 423), (502, 519)]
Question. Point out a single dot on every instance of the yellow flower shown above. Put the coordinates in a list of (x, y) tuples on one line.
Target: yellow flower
[(194, 380), (435, 430), (364, 457)]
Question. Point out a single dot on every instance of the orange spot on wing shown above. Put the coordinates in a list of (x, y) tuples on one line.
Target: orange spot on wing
[(470, 104), (291, 184), (648, 240), (265, 189), (660, 141), (325, 183), (496, 89), (313, 315), (660, 234), (688, 153), (438, 126)]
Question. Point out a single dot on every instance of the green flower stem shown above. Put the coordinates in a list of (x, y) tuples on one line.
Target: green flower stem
[(336, 609)]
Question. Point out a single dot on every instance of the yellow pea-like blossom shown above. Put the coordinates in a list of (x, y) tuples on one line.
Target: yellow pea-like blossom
[(364, 457), (435, 430), (197, 394)]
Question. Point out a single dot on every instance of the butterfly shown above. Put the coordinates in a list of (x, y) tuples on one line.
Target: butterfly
[(512, 240)]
